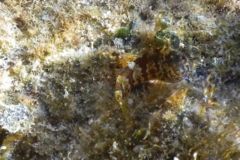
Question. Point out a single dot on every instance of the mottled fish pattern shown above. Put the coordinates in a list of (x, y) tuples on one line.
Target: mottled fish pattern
[(151, 65)]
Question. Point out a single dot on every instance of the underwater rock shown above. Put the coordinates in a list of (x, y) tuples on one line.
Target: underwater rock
[(139, 79), (16, 118)]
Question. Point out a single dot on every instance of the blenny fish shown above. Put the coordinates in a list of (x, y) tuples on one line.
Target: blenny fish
[(155, 62)]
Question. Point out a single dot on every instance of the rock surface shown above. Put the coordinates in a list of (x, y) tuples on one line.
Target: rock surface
[(59, 67)]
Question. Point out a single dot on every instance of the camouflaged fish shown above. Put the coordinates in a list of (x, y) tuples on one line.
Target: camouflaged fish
[(154, 63)]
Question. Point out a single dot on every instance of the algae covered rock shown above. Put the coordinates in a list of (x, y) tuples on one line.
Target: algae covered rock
[(138, 79)]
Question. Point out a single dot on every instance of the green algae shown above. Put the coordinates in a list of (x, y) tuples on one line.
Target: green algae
[(123, 32)]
